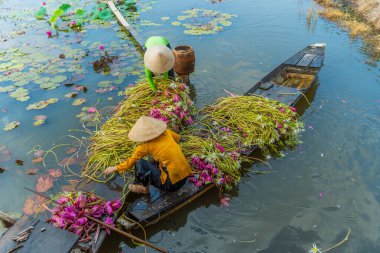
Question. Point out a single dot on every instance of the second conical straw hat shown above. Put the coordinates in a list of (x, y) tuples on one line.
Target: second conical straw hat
[(146, 128), (159, 59)]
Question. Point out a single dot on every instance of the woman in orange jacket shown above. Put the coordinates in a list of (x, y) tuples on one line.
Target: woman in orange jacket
[(168, 171)]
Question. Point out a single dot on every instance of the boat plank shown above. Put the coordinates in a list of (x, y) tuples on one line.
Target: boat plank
[(306, 60), (51, 240)]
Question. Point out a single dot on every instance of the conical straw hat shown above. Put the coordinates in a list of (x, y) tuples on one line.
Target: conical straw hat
[(159, 59), (146, 129)]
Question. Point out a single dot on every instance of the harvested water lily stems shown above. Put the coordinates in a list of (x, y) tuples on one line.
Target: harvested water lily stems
[(111, 146), (253, 120)]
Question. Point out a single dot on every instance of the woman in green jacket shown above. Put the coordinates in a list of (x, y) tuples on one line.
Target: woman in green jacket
[(158, 59)]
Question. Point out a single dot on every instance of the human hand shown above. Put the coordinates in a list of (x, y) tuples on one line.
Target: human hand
[(110, 170)]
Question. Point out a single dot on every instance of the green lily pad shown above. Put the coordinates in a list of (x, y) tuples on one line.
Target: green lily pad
[(81, 13), (176, 23), (78, 101), (20, 94), (64, 7), (41, 104), (105, 14), (40, 13), (11, 125), (105, 84), (165, 18), (7, 88)]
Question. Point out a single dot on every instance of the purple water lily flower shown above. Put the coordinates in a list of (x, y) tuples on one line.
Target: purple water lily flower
[(116, 204), (62, 200), (214, 171), (219, 147), (81, 221), (281, 109), (109, 208), (189, 121)]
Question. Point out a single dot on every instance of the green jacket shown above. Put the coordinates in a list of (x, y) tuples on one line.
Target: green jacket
[(154, 41)]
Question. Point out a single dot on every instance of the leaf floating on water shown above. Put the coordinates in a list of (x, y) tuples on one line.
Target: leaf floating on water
[(33, 204), (67, 161), (5, 154), (71, 95), (176, 23), (44, 184), (78, 101), (37, 160), (31, 171), (20, 94), (19, 162), (38, 153), (80, 88), (7, 88), (105, 84), (165, 18), (11, 125), (41, 104), (71, 150), (55, 172)]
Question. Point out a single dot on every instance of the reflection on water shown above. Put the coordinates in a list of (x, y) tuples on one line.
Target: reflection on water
[(314, 194)]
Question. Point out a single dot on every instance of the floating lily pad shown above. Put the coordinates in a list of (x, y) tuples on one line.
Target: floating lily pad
[(78, 101), (20, 94), (71, 95), (7, 88), (11, 125), (204, 21), (165, 18), (39, 120), (55, 172), (105, 84), (31, 171), (41, 104)]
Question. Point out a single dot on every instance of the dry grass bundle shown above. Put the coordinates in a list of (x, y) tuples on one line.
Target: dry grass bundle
[(334, 14), (356, 28)]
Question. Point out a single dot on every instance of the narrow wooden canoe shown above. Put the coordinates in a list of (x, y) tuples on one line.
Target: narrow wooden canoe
[(287, 83)]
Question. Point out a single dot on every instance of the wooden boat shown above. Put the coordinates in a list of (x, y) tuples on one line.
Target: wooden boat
[(287, 83)]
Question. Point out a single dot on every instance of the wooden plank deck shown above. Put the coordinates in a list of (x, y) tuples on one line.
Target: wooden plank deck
[(52, 240)]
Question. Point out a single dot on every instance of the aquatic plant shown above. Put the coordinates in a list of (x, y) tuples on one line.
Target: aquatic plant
[(202, 21), (246, 121), (72, 207), (110, 145)]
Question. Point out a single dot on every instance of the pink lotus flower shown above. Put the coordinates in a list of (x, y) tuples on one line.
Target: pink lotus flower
[(214, 171), (199, 184), (81, 221), (73, 23), (43, 3), (176, 98), (234, 156), (91, 110), (225, 201), (279, 126), (219, 147), (281, 109), (167, 94), (109, 208), (101, 47), (62, 200), (93, 198), (116, 204), (49, 34), (183, 86), (154, 101), (100, 9), (293, 109), (182, 115)]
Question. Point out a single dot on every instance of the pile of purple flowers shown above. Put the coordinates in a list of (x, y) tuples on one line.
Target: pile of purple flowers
[(69, 213), (173, 106), (207, 173)]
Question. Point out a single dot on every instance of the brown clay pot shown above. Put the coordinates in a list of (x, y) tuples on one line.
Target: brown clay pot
[(184, 60)]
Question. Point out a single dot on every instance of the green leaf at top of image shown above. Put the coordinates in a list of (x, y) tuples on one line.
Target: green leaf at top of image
[(81, 13), (58, 12), (11, 125), (64, 7), (105, 15), (40, 13)]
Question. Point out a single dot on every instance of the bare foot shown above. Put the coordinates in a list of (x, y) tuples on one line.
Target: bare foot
[(137, 188)]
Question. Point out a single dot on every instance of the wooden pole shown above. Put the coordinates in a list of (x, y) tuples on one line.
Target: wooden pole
[(110, 227), (135, 35)]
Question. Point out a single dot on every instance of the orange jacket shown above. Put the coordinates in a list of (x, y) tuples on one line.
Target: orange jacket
[(166, 151)]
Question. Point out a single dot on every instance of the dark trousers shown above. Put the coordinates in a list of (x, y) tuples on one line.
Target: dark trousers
[(149, 173)]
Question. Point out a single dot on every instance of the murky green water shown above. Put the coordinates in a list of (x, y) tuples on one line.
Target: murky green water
[(278, 212)]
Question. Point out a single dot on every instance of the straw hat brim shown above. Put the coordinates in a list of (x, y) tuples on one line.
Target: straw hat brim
[(146, 129), (159, 59)]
